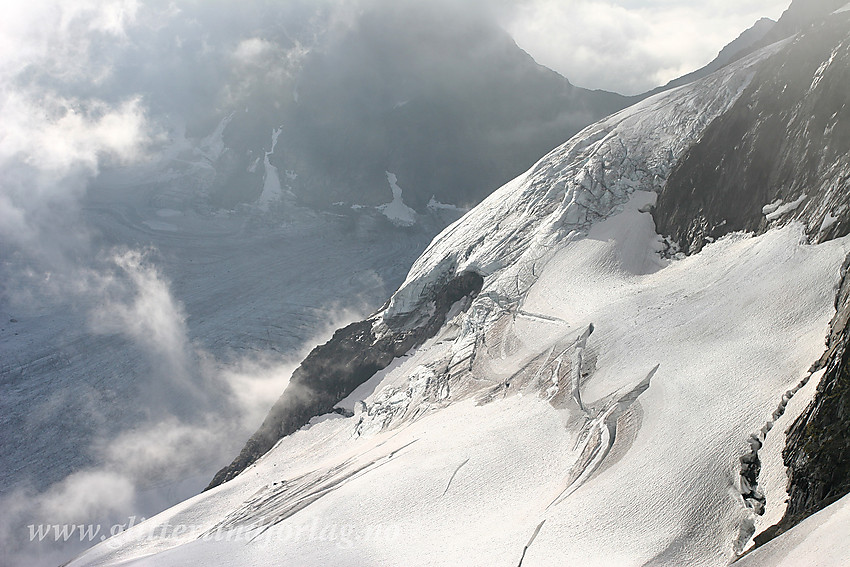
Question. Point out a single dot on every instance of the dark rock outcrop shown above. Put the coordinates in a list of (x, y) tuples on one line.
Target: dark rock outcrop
[(333, 370), (817, 452)]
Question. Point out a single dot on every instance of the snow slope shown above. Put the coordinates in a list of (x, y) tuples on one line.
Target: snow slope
[(589, 406), (819, 541), (509, 451)]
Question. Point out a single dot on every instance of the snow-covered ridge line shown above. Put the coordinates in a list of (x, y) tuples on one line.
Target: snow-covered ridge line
[(586, 179)]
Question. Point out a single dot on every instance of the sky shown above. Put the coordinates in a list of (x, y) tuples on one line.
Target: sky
[(630, 46)]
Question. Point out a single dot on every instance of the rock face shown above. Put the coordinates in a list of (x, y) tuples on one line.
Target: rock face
[(817, 452), (781, 153), (333, 370)]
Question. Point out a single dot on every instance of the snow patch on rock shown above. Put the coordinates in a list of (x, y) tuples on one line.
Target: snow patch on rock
[(777, 209), (398, 213), (272, 190)]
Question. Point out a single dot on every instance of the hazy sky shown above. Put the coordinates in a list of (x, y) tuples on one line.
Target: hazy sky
[(630, 46)]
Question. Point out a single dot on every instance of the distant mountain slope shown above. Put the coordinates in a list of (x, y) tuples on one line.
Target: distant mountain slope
[(448, 103), (441, 98), (436, 93)]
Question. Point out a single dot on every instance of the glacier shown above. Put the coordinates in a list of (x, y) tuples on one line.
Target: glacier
[(590, 405)]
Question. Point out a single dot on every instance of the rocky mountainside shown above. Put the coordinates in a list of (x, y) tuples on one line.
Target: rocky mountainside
[(781, 143), (334, 370), (816, 453)]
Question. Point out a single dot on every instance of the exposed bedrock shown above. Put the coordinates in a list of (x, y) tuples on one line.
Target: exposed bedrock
[(333, 370)]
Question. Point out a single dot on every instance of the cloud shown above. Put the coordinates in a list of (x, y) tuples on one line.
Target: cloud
[(86, 494), (50, 148), (630, 46), (53, 142), (57, 36), (163, 459), (138, 304), (252, 50)]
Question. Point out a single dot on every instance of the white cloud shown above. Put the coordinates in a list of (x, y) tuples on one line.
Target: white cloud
[(630, 46), (139, 305), (52, 143), (86, 494), (252, 50), (57, 35), (57, 134)]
